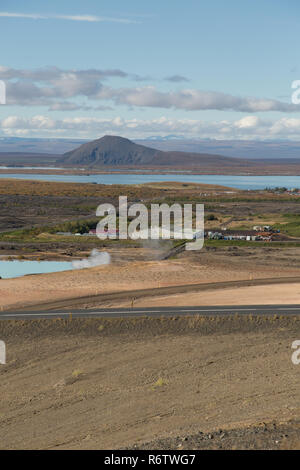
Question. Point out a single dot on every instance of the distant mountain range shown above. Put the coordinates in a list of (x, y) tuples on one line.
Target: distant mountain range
[(118, 151), (38, 145), (248, 149)]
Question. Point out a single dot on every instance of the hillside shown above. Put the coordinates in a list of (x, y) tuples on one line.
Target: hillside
[(118, 151), (110, 150)]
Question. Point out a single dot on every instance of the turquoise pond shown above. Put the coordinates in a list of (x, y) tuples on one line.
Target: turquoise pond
[(16, 268)]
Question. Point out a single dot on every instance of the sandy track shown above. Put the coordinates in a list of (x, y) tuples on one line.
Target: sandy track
[(263, 291), (264, 294)]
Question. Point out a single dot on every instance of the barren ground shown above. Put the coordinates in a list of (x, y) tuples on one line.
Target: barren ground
[(166, 383), (98, 384), (129, 272)]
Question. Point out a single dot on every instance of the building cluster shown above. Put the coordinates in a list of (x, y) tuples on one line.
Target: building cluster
[(259, 233)]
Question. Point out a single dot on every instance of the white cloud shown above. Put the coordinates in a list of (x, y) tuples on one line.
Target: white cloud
[(88, 18), (69, 106), (32, 16), (48, 85), (91, 127), (47, 74), (247, 122), (177, 78), (192, 100)]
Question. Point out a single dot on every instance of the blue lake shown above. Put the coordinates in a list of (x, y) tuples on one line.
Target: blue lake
[(234, 181), (30, 168), (16, 268)]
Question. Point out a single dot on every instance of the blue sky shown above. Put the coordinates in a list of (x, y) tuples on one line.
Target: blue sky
[(196, 69)]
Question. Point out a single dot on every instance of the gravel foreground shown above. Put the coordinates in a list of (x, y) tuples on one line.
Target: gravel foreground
[(262, 437), (142, 382)]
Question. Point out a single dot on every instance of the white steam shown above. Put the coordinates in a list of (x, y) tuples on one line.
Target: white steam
[(96, 258)]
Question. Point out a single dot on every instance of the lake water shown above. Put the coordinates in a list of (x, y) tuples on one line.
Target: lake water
[(234, 181), (30, 168), (16, 268)]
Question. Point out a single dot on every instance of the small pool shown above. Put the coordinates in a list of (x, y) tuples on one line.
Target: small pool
[(16, 268)]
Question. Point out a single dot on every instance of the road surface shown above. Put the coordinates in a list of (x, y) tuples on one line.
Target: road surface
[(154, 312)]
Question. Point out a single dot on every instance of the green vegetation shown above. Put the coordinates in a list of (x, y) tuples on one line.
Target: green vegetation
[(80, 226), (292, 226), (76, 373), (159, 383)]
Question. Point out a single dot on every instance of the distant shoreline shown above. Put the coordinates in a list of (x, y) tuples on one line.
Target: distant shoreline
[(268, 170)]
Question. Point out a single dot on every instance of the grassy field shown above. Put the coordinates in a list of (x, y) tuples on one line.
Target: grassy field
[(290, 225)]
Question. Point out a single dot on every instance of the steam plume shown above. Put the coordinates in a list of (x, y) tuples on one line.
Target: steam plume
[(96, 258)]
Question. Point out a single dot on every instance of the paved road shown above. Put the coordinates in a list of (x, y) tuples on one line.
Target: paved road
[(155, 312)]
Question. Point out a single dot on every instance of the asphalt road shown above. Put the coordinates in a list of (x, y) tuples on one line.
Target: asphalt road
[(155, 312)]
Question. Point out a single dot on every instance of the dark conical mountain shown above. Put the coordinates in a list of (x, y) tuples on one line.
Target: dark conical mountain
[(118, 151), (110, 150)]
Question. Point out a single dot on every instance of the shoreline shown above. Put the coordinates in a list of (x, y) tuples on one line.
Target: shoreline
[(284, 170)]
